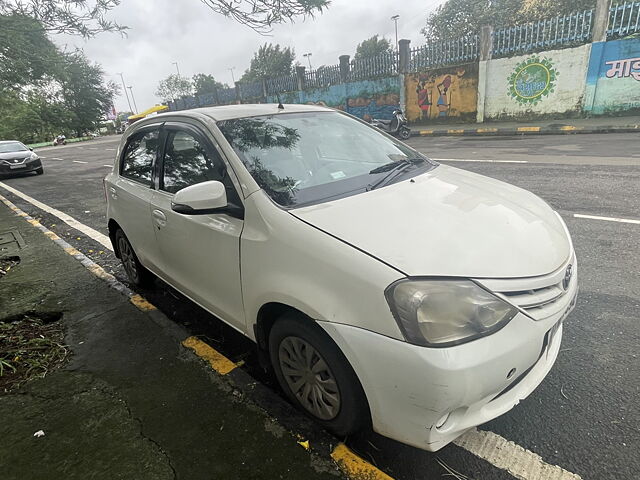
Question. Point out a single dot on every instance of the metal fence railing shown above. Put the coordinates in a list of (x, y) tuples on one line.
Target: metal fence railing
[(322, 77), (460, 50), (287, 83), (624, 19), (564, 31), (251, 90), (382, 65)]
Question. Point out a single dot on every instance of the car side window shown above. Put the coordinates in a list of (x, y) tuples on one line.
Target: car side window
[(139, 154), (187, 162)]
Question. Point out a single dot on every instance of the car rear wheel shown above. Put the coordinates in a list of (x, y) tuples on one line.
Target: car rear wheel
[(316, 376), (138, 275)]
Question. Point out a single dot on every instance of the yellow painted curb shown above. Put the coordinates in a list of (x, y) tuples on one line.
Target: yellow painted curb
[(456, 132), (218, 362), (426, 132), (528, 129), (141, 303), (570, 128), (355, 467), (486, 130)]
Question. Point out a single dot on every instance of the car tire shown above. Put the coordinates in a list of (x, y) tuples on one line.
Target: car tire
[(333, 395), (39, 171), (137, 274), (404, 133)]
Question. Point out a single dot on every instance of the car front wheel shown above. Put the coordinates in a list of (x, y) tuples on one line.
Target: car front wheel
[(138, 275), (316, 376)]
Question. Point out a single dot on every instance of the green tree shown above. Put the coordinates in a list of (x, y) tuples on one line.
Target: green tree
[(174, 86), (373, 46), (458, 18), (270, 61), (86, 94), (204, 83), (261, 15)]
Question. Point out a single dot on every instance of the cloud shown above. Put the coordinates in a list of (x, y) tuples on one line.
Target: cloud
[(187, 32)]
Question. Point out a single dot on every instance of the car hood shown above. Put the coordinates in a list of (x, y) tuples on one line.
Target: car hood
[(449, 222), (15, 155)]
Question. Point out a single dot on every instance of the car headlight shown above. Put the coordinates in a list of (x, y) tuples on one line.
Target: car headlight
[(33, 156), (445, 312)]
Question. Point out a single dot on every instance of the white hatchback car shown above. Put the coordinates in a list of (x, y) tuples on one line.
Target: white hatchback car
[(384, 288)]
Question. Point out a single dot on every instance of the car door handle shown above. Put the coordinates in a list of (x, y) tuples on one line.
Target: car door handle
[(114, 192), (160, 218)]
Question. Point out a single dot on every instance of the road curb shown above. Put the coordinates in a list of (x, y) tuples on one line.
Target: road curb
[(522, 130), (307, 433)]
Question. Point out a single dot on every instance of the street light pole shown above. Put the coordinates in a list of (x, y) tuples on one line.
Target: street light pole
[(133, 98), (125, 91), (308, 55), (395, 20), (177, 69), (232, 77)]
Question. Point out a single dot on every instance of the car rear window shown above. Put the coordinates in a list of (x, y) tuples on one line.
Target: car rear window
[(139, 155)]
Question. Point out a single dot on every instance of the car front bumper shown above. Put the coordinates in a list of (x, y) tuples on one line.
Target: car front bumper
[(426, 397), (26, 167)]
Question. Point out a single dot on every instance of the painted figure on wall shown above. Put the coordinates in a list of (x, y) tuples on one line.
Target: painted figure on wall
[(444, 96), (424, 98)]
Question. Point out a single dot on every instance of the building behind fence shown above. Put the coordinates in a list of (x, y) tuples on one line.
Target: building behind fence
[(544, 68)]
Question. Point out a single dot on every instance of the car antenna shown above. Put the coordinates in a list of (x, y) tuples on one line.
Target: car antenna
[(280, 106)]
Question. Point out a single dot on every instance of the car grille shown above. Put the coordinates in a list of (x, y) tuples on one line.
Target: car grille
[(540, 297)]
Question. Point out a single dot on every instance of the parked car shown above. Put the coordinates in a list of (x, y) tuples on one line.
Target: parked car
[(385, 289), (15, 157)]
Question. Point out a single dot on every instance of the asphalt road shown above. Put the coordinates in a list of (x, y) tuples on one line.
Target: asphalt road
[(585, 416)]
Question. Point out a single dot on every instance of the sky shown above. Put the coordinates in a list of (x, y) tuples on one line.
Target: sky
[(201, 41)]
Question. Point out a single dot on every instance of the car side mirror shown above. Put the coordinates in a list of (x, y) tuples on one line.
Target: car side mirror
[(31, 149), (205, 198)]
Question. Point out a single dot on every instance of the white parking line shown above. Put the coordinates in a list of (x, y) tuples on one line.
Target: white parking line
[(476, 160), (518, 461), (92, 148), (607, 219), (72, 222), (107, 166), (111, 149), (78, 161), (56, 158)]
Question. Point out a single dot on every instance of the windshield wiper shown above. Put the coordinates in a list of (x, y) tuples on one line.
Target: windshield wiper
[(394, 169)]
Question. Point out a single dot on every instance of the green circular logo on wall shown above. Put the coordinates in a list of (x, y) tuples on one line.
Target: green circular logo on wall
[(532, 80)]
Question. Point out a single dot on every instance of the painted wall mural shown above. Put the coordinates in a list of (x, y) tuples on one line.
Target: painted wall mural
[(613, 78), (532, 80), (366, 99), (446, 94)]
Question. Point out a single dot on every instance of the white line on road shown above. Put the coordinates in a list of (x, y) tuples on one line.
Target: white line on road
[(72, 222), (111, 149), (500, 452), (78, 161), (504, 454), (92, 148), (107, 166), (476, 160), (607, 219), (56, 158)]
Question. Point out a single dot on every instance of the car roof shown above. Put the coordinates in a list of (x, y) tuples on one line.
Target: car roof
[(228, 112)]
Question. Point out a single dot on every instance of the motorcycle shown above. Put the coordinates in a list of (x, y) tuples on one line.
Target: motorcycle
[(60, 140), (397, 126)]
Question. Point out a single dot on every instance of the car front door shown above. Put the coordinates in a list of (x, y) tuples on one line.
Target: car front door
[(132, 191), (200, 254)]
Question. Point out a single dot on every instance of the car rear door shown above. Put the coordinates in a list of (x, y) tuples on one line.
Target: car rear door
[(131, 192), (200, 254)]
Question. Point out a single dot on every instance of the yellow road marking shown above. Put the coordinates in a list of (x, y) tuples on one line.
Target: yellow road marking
[(528, 129), (486, 130), (218, 362), (71, 251), (426, 132), (570, 128), (355, 467), (456, 131), (141, 303)]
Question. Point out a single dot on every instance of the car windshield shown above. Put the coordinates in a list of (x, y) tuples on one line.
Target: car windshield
[(10, 147), (306, 158)]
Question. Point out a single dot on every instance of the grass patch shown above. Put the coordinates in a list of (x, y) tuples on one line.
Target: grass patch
[(31, 345)]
